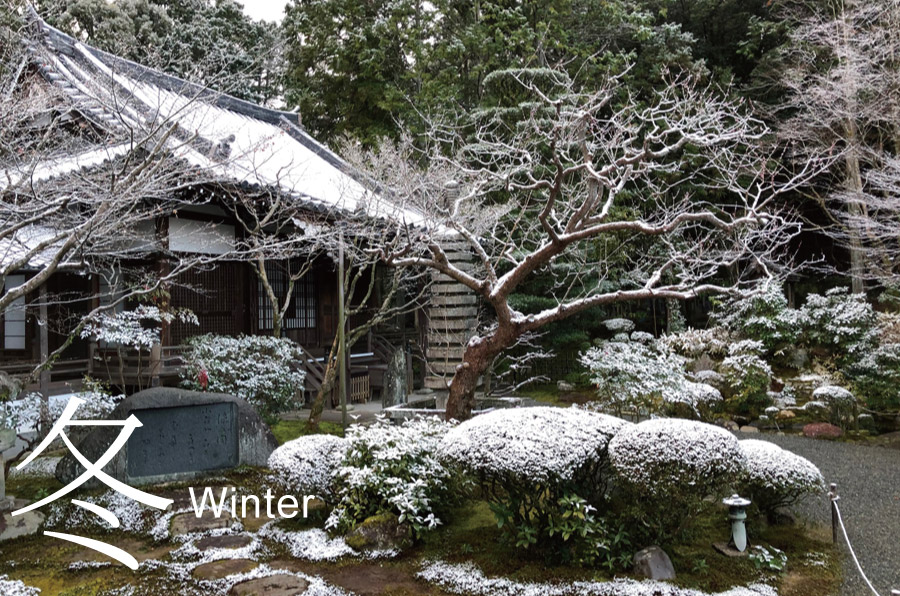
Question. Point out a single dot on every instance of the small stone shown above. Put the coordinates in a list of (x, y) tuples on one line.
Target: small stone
[(380, 532), (785, 415), (230, 541), (188, 522), (749, 429), (564, 387), (731, 425), (822, 430), (280, 584), (728, 550), (219, 569), (653, 563)]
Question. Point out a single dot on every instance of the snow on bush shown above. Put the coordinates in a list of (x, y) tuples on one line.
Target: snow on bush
[(699, 398), (676, 462), (642, 337), (632, 375), (539, 445), (748, 376), (693, 343), (764, 316), (468, 579), (256, 368), (14, 587), (396, 469), (618, 325), (843, 322), (710, 377), (137, 329), (25, 414), (775, 477), (133, 516), (832, 394), (307, 465)]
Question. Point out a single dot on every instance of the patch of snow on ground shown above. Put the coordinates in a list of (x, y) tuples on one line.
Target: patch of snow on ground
[(468, 579), (14, 587), (315, 545)]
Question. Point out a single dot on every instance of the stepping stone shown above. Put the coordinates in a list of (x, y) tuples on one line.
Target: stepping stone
[(224, 541), (188, 522), (20, 525), (220, 569), (273, 585)]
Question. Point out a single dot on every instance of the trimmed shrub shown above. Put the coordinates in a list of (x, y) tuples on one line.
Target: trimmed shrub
[(253, 367), (693, 343), (748, 377), (394, 469), (764, 317), (777, 478), (543, 471), (841, 322), (877, 377), (842, 409), (308, 465), (671, 465)]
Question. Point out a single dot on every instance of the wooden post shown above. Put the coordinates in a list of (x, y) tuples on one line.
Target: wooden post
[(155, 363), (342, 339), (44, 333), (833, 496)]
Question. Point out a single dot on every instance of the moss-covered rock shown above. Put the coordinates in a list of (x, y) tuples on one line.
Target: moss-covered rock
[(380, 532)]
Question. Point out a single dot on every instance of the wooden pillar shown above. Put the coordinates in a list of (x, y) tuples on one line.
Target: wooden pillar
[(155, 364), (342, 339)]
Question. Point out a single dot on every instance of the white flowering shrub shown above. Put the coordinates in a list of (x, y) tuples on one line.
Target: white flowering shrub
[(308, 465), (842, 406), (258, 369), (24, 414), (693, 343), (748, 377), (543, 471), (394, 469), (632, 375), (842, 322), (774, 477), (693, 400), (670, 465), (642, 337)]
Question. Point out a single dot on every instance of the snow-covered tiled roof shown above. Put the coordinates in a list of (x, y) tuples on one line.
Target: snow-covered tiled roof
[(235, 140)]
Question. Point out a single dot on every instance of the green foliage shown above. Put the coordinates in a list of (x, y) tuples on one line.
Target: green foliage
[(286, 430), (768, 559), (565, 528), (841, 322), (253, 367), (764, 317), (748, 377)]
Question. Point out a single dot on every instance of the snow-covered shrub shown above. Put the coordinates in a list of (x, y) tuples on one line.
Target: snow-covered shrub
[(137, 329), (876, 375), (618, 325), (632, 375), (710, 377), (394, 469), (775, 477), (748, 377), (543, 470), (693, 343), (308, 465), (670, 465), (842, 322), (698, 400), (14, 587), (764, 316), (256, 368), (842, 407), (642, 337)]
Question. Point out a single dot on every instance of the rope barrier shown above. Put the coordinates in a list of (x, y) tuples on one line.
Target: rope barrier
[(837, 521)]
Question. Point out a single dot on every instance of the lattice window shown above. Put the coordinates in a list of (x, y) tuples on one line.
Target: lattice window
[(301, 311), (13, 319)]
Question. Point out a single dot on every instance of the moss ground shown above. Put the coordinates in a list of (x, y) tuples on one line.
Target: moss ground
[(286, 430)]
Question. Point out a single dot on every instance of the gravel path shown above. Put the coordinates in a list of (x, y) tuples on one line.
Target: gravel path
[(868, 481)]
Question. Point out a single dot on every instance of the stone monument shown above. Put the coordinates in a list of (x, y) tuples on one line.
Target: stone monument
[(184, 434)]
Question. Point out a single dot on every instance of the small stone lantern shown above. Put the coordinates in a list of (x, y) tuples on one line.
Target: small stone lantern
[(737, 513)]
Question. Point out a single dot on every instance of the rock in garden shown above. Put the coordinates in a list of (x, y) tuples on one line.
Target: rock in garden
[(380, 532), (188, 522), (653, 563), (822, 430), (281, 584), (229, 541), (866, 421), (564, 387), (749, 429), (20, 525), (785, 415), (731, 425), (219, 569)]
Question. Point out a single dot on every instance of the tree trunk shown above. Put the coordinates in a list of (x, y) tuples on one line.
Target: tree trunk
[(328, 383), (476, 360)]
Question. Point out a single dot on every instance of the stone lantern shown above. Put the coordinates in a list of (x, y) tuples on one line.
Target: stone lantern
[(737, 513)]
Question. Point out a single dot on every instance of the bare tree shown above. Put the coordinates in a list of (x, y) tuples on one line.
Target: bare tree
[(841, 74), (611, 197)]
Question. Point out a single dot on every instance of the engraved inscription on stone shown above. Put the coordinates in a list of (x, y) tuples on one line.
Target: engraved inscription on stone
[(183, 439)]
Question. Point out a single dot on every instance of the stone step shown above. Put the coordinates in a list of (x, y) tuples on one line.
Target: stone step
[(280, 584), (222, 569), (449, 353)]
